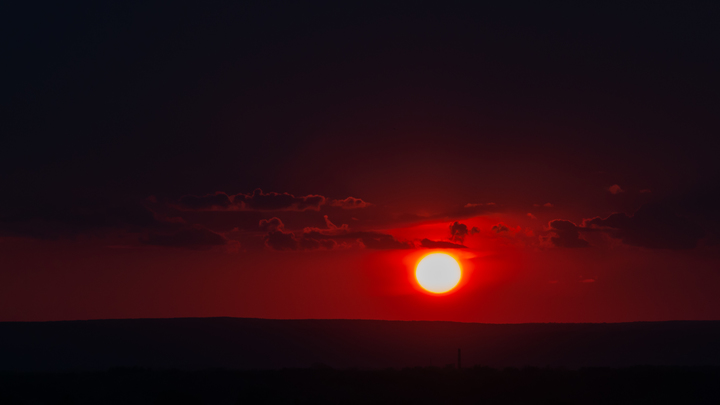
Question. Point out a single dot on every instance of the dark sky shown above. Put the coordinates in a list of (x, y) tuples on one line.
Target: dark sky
[(294, 160)]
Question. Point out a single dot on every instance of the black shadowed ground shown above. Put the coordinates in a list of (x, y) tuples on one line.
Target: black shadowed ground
[(246, 344), (322, 385)]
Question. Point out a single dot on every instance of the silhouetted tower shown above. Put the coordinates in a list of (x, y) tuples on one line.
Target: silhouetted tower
[(459, 363)]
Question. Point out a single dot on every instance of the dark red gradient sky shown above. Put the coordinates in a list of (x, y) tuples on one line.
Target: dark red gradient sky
[(293, 161)]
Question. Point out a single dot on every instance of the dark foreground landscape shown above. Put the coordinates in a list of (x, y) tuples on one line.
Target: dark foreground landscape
[(321, 385), (256, 344), (255, 361)]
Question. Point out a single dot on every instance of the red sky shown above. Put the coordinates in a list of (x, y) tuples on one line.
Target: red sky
[(244, 160)]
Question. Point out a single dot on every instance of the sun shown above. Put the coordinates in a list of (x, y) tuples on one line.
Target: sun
[(438, 273)]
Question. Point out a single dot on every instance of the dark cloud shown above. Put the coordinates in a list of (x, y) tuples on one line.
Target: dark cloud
[(372, 216), (311, 244), (272, 201), (349, 203), (375, 240), (500, 228), (334, 228), (566, 234), (432, 244), (272, 224), (218, 200), (314, 238), (369, 239), (280, 240), (276, 237), (652, 226), (459, 231), (257, 201), (195, 237)]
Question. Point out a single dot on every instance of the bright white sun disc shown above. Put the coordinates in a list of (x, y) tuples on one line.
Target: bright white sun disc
[(438, 273)]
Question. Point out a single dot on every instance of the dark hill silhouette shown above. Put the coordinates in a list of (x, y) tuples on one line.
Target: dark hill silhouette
[(237, 343)]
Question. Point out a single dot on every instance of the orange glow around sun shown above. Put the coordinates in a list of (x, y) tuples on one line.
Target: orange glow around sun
[(438, 273)]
